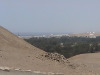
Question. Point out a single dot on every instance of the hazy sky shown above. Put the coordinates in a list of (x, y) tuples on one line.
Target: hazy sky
[(50, 15)]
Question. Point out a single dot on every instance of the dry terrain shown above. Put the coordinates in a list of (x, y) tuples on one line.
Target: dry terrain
[(15, 53), (88, 34)]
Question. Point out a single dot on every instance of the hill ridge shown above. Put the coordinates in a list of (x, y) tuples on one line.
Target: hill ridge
[(17, 53)]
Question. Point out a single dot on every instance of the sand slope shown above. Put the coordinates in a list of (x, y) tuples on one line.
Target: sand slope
[(87, 64), (16, 53)]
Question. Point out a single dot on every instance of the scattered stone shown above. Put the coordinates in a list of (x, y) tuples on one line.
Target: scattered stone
[(55, 57)]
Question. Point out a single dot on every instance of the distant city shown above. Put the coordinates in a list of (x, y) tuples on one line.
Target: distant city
[(57, 35)]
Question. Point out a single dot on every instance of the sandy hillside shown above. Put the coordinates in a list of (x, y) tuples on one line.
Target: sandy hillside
[(87, 64), (16, 53)]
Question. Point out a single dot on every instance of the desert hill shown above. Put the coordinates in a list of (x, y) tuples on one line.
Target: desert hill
[(16, 53), (87, 64)]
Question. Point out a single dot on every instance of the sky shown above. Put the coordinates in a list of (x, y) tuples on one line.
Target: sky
[(47, 16)]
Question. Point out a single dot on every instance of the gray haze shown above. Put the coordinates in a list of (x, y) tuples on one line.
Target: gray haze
[(50, 15)]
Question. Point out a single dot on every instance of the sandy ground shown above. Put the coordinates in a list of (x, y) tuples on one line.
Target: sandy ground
[(16, 53), (18, 73), (87, 63)]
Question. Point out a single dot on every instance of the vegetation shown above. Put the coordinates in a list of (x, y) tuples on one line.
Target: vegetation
[(67, 46)]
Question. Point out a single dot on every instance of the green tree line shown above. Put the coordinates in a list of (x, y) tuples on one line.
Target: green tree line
[(67, 46)]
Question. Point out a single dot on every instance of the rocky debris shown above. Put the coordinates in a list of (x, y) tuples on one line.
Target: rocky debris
[(56, 57)]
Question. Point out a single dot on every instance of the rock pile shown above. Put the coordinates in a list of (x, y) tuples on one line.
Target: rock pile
[(55, 57)]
